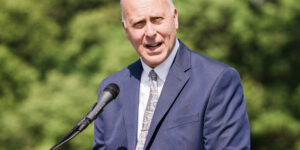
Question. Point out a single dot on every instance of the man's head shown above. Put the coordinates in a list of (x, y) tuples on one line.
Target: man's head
[(151, 27)]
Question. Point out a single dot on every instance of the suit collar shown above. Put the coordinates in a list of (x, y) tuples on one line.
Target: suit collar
[(183, 57), (130, 108)]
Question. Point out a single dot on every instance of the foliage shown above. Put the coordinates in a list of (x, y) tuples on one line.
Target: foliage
[(53, 55)]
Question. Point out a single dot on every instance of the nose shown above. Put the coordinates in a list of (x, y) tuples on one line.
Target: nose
[(150, 31)]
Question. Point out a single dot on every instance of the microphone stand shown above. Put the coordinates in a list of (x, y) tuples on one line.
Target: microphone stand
[(110, 92), (80, 126)]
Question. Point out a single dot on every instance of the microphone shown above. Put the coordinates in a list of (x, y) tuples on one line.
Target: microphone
[(109, 93)]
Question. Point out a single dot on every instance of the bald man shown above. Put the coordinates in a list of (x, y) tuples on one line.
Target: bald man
[(171, 98)]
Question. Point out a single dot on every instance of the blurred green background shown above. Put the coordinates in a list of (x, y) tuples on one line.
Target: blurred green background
[(54, 54)]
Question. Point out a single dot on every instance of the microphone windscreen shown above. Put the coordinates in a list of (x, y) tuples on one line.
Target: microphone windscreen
[(113, 89)]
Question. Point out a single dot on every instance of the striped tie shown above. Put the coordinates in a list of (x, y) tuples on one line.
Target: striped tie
[(152, 101)]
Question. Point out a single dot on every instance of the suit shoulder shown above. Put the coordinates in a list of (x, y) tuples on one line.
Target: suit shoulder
[(120, 76), (210, 68), (205, 63)]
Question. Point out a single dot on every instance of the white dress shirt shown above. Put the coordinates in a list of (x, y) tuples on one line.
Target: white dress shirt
[(162, 72)]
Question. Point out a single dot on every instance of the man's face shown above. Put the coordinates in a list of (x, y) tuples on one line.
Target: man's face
[(151, 27)]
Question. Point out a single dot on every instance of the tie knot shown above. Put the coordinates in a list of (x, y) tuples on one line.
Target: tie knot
[(153, 75)]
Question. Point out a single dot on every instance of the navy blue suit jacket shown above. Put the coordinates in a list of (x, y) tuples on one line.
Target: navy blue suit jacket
[(201, 107)]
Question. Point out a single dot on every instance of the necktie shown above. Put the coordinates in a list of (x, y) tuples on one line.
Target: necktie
[(151, 104)]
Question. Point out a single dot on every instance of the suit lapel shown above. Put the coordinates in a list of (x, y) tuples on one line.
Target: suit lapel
[(176, 79), (130, 109)]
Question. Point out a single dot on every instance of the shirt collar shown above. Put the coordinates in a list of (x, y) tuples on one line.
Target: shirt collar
[(163, 68)]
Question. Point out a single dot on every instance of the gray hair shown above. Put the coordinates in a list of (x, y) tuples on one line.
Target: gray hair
[(172, 6)]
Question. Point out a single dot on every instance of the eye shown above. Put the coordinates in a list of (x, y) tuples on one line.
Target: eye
[(157, 20), (139, 24)]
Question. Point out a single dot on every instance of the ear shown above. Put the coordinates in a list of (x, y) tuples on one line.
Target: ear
[(125, 29), (176, 18)]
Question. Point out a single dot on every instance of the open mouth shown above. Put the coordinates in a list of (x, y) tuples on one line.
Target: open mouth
[(153, 46)]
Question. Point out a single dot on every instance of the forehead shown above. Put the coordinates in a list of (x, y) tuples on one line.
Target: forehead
[(134, 9)]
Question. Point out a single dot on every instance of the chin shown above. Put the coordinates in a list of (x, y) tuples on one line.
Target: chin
[(155, 61)]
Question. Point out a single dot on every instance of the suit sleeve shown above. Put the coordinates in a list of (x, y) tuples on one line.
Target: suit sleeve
[(98, 143), (226, 125)]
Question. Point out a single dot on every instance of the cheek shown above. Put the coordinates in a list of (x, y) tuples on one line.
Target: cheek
[(166, 31), (136, 39), (136, 35)]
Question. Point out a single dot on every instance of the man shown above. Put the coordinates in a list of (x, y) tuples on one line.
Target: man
[(188, 102)]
